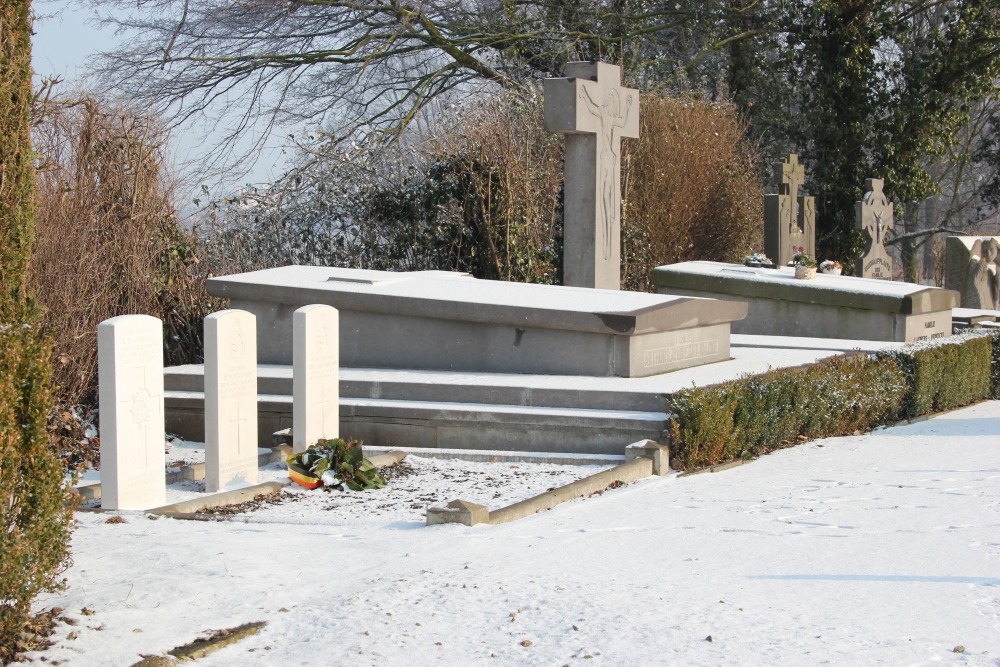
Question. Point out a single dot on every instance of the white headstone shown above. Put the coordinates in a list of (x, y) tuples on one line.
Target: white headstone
[(130, 367), (316, 375), (230, 400), (594, 111)]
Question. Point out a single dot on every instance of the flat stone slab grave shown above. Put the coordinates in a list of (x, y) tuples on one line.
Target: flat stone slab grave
[(441, 320), (826, 307)]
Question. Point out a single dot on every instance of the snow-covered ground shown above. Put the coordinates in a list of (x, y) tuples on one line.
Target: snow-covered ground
[(881, 549)]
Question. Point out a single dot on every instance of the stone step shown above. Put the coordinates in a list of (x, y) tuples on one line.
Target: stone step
[(551, 391), (430, 424)]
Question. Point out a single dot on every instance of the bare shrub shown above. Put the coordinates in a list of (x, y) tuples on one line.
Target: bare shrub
[(483, 194), (690, 189), (107, 238)]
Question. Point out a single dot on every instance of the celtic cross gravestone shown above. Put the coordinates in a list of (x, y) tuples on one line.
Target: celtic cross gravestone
[(874, 214)]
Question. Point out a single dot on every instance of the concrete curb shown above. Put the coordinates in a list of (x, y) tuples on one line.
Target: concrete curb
[(218, 499), (632, 471), (646, 458), (189, 473)]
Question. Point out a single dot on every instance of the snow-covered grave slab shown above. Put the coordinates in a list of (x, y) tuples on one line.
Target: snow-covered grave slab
[(827, 307), (450, 321)]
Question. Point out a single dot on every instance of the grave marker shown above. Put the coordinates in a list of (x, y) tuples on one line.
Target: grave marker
[(874, 214), (972, 271), (315, 375), (130, 372), (789, 220), (230, 400), (594, 111)]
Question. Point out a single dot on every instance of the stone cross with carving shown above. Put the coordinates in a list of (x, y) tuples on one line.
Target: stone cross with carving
[(874, 217), (789, 220), (595, 112)]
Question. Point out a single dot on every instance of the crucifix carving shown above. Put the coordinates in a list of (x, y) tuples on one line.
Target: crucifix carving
[(875, 218), (595, 112)]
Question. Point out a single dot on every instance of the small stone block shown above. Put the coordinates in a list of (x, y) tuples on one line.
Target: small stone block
[(458, 511), (650, 449)]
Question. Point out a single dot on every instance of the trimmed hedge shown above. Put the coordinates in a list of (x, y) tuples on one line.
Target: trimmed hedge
[(35, 515), (946, 376), (756, 414)]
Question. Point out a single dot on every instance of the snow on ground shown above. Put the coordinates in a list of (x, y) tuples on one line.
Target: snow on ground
[(876, 549)]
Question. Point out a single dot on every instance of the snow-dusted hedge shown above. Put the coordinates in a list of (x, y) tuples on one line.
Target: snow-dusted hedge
[(946, 373), (756, 414)]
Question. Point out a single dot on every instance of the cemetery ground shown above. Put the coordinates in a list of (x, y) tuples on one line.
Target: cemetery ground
[(882, 548)]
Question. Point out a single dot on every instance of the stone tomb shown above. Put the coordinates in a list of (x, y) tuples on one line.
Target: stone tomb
[(874, 216), (826, 307), (440, 320), (789, 220), (595, 112), (130, 367), (971, 270), (315, 375), (230, 400)]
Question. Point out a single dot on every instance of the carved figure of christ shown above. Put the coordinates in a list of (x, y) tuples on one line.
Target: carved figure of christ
[(595, 112)]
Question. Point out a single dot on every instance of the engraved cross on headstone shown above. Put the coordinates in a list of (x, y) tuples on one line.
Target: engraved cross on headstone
[(595, 112), (239, 421)]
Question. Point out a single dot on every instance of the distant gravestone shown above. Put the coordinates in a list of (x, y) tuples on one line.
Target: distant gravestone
[(971, 270), (230, 400), (594, 111), (874, 215), (315, 375), (789, 220), (130, 371)]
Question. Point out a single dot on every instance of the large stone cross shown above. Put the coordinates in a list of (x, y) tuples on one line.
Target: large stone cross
[(594, 111)]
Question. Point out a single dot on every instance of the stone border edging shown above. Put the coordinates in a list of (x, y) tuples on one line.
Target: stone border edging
[(217, 499), (642, 459)]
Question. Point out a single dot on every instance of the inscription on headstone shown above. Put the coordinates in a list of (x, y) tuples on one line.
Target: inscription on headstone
[(230, 400), (874, 215), (595, 112), (130, 372), (789, 220), (315, 375)]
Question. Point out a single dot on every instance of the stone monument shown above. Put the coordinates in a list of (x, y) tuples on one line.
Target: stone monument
[(130, 371), (315, 375), (594, 111), (971, 270), (230, 400), (439, 320), (874, 215), (789, 220)]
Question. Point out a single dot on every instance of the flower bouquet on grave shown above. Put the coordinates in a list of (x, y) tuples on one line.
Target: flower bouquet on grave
[(805, 265), (334, 464), (759, 260), (831, 266)]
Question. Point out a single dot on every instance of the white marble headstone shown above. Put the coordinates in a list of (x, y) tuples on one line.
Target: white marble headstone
[(230, 400), (130, 367), (316, 375)]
